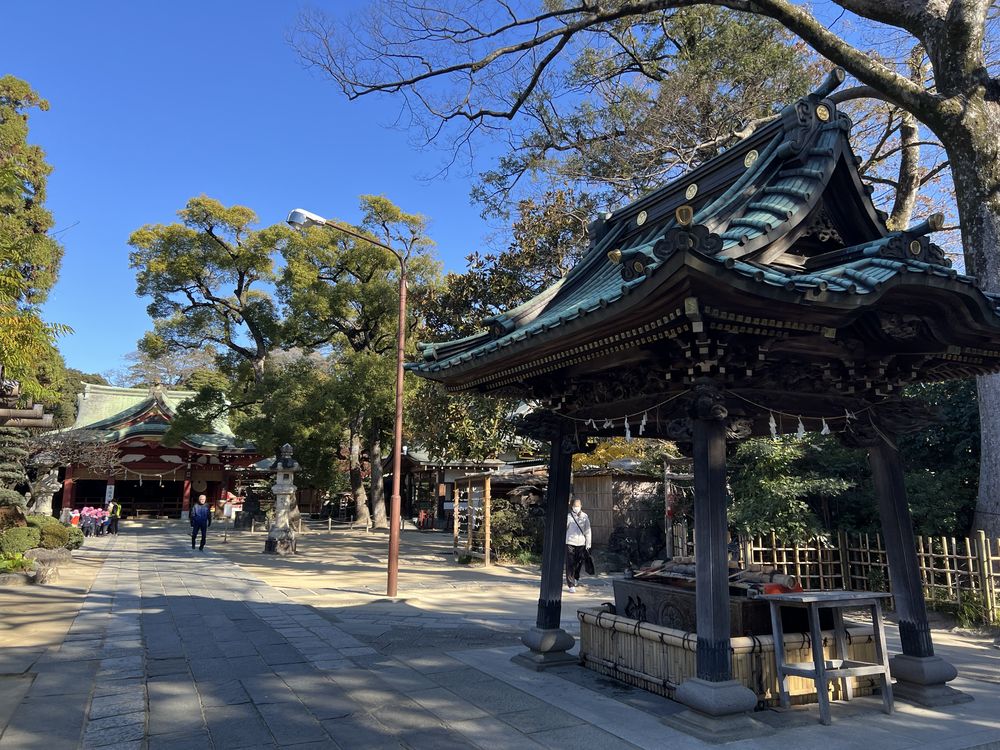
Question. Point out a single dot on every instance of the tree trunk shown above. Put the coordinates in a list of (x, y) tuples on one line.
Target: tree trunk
[(974, 150), (380, 520), (909, 174), (357, 483)]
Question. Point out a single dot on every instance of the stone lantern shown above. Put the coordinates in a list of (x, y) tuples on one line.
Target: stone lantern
[(281, 537)]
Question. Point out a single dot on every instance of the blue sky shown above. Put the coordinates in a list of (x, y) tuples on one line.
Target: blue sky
[(152, 103)]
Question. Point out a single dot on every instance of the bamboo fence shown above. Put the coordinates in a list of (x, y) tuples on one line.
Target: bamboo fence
[(958, 574)]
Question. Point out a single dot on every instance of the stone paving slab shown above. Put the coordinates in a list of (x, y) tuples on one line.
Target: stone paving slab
[(173, 649)]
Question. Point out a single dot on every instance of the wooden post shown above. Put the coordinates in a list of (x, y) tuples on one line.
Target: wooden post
[(486, 520), (470, 520), (985, 587), (711, 564), (900, 548), (994, 577), (845, 561), (921, 676), (455, 495), (798, 565), (547, 642), (947, 564), (554, 539), (713, 693), (922, 565)]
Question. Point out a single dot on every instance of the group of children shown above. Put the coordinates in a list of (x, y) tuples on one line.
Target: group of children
[(94, 521)]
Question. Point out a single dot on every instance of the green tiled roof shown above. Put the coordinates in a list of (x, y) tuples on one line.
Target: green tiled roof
[(752, 208), (112, 411)]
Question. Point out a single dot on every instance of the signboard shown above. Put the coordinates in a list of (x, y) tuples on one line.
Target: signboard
[(109, 492)]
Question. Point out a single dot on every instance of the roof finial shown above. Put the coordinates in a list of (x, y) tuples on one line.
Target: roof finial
[(933, 223), (830, 83)]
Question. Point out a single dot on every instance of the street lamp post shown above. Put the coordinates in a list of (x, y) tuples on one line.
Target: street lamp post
[(301, 219)]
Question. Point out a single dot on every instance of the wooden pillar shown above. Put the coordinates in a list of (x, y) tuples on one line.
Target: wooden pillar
[(547, 642), (554, 536), (486, 520), (921, 676), (900, 548), (710, 549), (719, 703), (186, 498), (69, 488), (470, 518), (455, 496)]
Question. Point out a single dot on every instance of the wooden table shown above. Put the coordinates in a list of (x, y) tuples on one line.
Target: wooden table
[(822, 669)]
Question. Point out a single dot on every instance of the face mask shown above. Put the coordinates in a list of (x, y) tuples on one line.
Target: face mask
[(577, 508)]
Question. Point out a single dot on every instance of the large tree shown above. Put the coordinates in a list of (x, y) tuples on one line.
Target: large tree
[(29, 255), (208, 277), (547, 238), (300, 404), (341, 292), (474, 63), (662, 94)]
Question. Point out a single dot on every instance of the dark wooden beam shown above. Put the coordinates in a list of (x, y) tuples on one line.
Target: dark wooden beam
[(901, 551), (711, 555), (547, 642), (554, 540)]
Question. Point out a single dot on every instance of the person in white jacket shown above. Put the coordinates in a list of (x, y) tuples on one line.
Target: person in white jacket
[(577, 543)]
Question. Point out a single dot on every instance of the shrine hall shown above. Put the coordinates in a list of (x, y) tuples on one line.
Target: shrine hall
[(154, 479), (761, 293)]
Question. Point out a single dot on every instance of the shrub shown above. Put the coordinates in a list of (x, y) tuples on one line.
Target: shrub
[(41, 520), (54, 537), (11, 497), (75, 538), (16, 563), (19, 539), (516, 529)]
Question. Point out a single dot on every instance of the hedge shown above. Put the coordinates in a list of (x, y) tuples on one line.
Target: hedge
[(41, 520), (54, 537), (19, 539), (75, 538)]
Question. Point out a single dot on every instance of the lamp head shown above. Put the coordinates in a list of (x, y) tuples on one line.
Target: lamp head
[(302, 219)]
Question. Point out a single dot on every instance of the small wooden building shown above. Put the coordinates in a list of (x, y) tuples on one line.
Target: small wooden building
[(615, 498), (760, 293), (429, 486)]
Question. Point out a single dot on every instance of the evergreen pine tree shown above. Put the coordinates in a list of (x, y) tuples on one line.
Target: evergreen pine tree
[(13, 452)]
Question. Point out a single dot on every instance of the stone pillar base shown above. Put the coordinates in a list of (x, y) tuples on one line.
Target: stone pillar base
[(717, 711), (921, 680), (280, 542), (716, 698), (548, 648)]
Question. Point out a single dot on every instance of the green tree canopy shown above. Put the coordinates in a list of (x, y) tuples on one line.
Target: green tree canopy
[(208, 277), (342, 293), (301, 405), (29, 255)]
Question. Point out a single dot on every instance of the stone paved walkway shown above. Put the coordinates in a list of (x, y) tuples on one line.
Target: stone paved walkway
[(180, 649)]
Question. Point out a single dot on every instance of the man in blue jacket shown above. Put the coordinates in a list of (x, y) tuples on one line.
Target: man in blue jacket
[(201, 519)]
